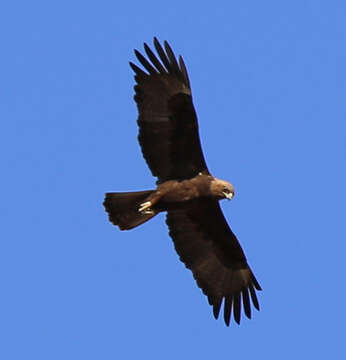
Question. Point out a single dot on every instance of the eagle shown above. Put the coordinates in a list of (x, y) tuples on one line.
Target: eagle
[(185, 189)]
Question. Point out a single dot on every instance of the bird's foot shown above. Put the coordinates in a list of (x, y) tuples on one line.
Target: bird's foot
[(145, 208)]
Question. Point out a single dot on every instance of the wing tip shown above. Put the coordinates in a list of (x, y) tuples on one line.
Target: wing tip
[(165, 63), (236, 303)]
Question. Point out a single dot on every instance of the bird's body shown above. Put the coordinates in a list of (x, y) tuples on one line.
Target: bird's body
[(168, 135), (173, 193)]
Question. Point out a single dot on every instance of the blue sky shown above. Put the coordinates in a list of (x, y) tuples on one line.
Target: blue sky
[(269, 85)]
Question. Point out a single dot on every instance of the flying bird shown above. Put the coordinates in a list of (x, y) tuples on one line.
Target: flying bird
[(186, 191)]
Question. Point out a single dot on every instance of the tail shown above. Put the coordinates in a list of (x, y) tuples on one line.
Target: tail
[(122, 208)]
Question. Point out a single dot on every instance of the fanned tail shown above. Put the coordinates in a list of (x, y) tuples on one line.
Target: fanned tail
[(122, 208)]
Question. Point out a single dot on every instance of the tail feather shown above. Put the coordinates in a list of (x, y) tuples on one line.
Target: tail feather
[(122, 208)]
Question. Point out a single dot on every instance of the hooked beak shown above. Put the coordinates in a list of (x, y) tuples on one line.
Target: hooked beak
[(228, 196)]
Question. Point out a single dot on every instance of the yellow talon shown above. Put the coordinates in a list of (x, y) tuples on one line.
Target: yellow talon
[(145, 207)]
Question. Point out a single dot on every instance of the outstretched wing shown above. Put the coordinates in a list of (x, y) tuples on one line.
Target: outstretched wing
[(168, 129), (208, 247)]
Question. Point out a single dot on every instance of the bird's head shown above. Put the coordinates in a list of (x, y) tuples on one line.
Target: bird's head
[(221, 189)]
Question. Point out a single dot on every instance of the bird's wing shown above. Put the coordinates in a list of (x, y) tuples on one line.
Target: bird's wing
[(168, 129), (208, 247)]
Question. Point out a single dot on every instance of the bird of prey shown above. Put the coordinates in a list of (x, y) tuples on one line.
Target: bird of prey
[(186, 191)]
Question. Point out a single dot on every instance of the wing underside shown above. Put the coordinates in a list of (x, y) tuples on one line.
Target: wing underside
[(168, 128), (208, 247)]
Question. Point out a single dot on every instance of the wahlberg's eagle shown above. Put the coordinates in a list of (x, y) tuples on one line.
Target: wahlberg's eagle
[(169, 139)]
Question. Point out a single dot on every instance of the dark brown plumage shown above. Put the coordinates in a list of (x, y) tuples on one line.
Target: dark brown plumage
[(169, 139)]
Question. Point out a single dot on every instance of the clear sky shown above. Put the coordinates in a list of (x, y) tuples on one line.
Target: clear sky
[(269, 87)]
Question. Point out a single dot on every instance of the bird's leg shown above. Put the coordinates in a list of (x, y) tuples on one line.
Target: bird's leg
[(146, 207)]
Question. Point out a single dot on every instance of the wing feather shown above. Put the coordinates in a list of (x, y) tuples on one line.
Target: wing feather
[(154, 59), (184, 71), (162, 55), (140, 74), (172, 60), (145, 63), (228, 309), (236, 308), (254, 296), (246, 302)]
